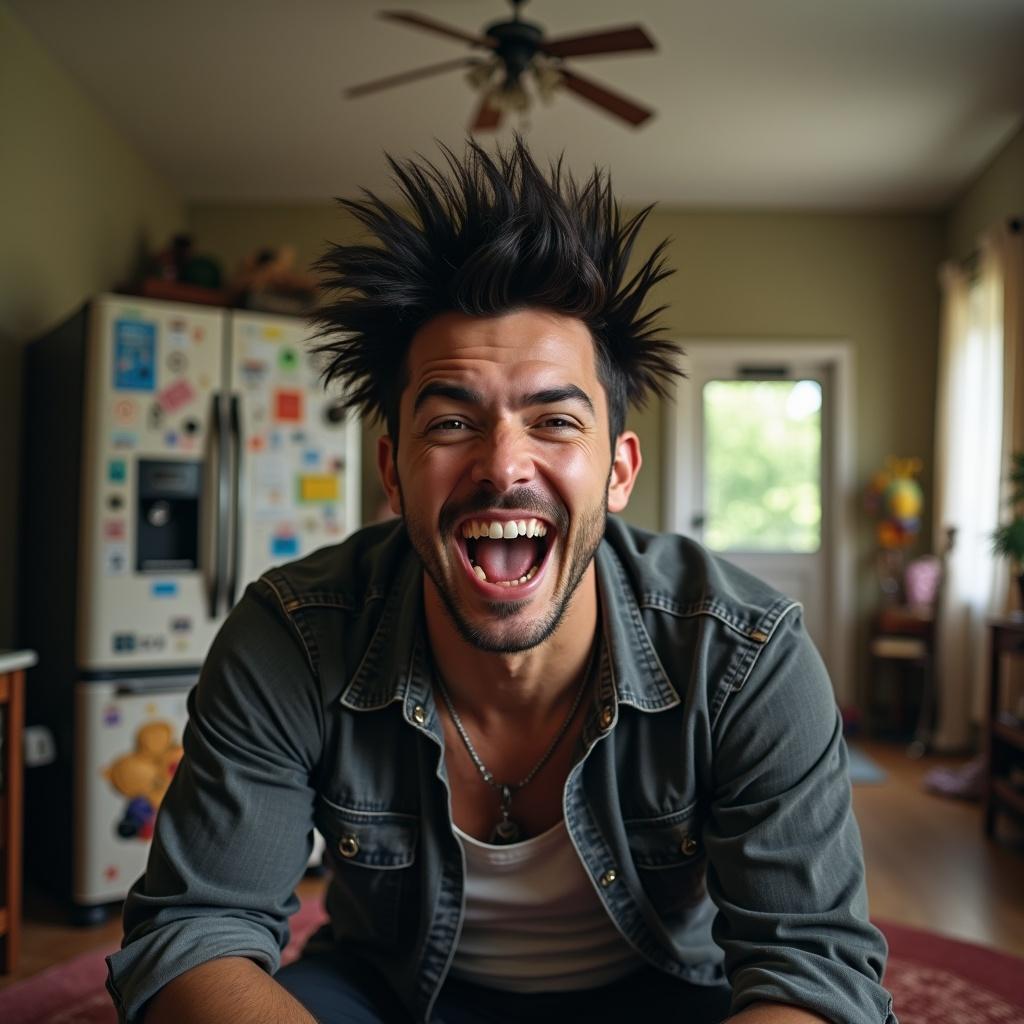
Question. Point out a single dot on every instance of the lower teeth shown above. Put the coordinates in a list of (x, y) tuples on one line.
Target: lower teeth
[(481, 575)]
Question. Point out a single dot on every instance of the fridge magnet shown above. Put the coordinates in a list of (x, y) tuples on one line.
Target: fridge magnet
[(298, 437), (124, 439), (284, 545), (198, 334), (143, 776), (113, 529), (272, 333), (177, 334), (125, 411), (288, 406), (115, 560), (318, 487), (253, 372), (311, 457), (181, 624), (111, 717), (123, 642), (164, 588), (288, 359), (116, 471), (171, 439), (175, 395), (134, 355), (177, 363)]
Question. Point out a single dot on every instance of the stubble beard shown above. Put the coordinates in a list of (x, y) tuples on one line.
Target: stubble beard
[(515, 637)]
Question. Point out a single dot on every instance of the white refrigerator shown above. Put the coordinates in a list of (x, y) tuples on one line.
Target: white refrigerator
[(173, 452)]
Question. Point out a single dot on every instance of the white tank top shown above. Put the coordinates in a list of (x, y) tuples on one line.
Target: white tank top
[(533, 922)]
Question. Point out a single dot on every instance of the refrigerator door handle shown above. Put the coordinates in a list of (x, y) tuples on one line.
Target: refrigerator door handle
[(237, 503), (211, 518)]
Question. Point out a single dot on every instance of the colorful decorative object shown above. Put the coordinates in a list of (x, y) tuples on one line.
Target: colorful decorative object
[(894, 497)]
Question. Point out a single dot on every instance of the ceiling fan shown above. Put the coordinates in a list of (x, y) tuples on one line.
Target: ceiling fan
[(519, 49)]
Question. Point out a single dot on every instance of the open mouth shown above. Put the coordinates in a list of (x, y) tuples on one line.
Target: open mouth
[(505, 552)]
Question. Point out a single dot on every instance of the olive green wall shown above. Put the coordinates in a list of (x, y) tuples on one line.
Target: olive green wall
[(996, 194), (77, 205), (866, 279)]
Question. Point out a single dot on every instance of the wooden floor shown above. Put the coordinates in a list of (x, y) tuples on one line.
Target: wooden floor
[(928, 865)]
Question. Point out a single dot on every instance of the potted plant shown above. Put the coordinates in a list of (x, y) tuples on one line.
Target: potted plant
[(1008, 540)]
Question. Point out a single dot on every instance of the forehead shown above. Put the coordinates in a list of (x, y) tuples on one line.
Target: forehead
[(515, 348)]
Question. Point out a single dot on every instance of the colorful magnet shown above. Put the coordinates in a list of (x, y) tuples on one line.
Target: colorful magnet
[(116, 471), (256, 443), (111, 716), (164, 588), (298, 437), (111, 872), (124, 439), (181, 624), (115, 560), (171, 439), (176, 362), (253, 372), (284, 546), (125, 411), (123, 642), (198, 333), (272, 333), (311, 457), (113, 529), (275, 439), (134, 355), (288, 359), (175, 395), (288, 406), (177, 333), (318, 487)]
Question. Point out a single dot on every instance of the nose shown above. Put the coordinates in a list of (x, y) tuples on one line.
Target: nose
[(503, 459)]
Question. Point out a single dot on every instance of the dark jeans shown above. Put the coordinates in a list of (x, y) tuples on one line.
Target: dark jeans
[(349, 992)]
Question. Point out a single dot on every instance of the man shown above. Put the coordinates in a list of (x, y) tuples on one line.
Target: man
[(563, 767)]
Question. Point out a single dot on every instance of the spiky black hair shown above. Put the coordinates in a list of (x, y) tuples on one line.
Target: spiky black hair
[(487, 236)]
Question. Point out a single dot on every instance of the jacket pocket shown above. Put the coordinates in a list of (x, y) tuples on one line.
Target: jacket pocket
[(371, 854), (668, 852)]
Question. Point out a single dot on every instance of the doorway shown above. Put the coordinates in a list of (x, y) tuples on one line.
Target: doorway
[(759, 461)]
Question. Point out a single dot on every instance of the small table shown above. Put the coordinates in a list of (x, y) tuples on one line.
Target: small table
[(1005, 735), (12, 707)]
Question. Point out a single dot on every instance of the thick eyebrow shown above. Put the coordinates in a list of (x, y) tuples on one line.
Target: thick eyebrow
[(455, 392), (553, 396), (467, 396)]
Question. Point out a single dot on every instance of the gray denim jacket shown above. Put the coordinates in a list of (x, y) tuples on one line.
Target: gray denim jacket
[(709, 804)]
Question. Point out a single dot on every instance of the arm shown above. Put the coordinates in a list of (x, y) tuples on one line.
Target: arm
[(235, 829), (773, 1013), (785, 866), (231, 988)]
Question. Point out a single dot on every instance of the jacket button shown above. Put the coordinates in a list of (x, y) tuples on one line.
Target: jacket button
[(608, 877), (419, 714), (348, 846), (758, 636), (607, 716), (688, 846)]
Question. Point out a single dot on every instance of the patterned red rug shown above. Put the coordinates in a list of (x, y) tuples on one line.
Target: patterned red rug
[(934, 980)]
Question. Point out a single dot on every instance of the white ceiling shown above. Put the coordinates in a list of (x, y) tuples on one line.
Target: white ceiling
[(824, 104)]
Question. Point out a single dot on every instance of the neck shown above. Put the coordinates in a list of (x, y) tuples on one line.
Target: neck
[(525, 684)]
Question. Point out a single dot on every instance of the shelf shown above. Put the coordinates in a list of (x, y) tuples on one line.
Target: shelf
[(1008, 796), (1011, 734)]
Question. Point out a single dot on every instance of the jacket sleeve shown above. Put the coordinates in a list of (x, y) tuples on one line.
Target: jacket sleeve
[(234, 832), (785, 864)]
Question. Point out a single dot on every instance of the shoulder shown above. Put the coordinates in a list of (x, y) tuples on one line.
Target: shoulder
[(673, 574), (344, 576)]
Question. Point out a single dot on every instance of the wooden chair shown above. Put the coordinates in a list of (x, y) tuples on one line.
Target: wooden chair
[(904, 636)]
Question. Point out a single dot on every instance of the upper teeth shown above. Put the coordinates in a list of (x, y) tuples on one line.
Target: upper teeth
[(503, 529)]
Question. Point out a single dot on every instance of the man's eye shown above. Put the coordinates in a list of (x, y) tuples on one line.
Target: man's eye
[(449, 424), (557, 422)]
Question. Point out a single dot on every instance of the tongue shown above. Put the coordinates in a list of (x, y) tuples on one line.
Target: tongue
[(505, 559)]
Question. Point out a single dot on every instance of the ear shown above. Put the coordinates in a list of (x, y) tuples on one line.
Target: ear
[(388, 473), (626, 464)]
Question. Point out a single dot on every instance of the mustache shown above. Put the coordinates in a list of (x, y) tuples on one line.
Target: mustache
[(520, 499)]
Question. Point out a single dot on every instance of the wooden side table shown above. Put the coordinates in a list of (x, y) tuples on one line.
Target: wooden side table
[(12, 708), (1005, 736)]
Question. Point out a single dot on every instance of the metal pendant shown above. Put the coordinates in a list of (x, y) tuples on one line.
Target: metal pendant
[(506, 831)]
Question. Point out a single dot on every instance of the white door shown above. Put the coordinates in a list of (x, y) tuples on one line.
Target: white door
[(754, 476)]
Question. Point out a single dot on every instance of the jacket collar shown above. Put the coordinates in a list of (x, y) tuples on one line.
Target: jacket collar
[(396, 665)]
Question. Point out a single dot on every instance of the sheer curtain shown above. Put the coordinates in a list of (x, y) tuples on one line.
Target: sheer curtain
[(979, 421)]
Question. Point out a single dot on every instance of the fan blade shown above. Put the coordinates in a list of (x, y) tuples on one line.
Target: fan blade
[(418, 21), (487, 118), (604, 98), (407, 76), (613, 40)]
